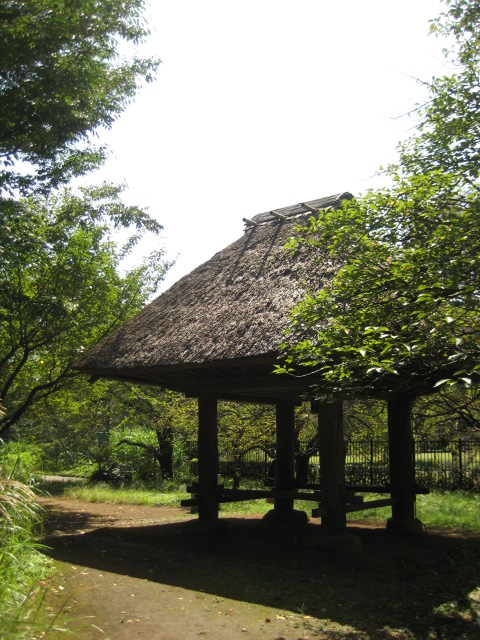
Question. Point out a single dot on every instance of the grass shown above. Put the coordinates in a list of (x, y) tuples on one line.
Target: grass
[(22, 565), (169, 495), (447, 509), (457, 509)]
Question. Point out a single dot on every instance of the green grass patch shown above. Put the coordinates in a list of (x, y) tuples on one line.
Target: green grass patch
[(246, 507), (458, 509), (167, 495), (454, 509)]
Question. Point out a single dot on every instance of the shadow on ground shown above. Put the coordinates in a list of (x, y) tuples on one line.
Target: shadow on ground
[(425, 586)]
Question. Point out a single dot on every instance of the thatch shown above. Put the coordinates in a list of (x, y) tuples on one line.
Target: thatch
[(219, 328)]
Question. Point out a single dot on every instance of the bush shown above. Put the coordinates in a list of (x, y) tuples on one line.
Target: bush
[(20, 460)]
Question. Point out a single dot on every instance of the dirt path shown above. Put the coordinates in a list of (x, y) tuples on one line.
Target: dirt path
[(151, 572)]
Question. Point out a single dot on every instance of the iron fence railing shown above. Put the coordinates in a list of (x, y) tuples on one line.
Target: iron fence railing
[(439, 464), (448, 464)]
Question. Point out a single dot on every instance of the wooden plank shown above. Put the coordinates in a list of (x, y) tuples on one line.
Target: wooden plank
[(372, 504), (350, 498), (237, 495), (189, 502), (366, 488)]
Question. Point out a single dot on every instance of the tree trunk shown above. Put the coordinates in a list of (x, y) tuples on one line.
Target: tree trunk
[(165, 447)]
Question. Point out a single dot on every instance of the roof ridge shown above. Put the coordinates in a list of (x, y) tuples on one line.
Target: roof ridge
[(312, 206)]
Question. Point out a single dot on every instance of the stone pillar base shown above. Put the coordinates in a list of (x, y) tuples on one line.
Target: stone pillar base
[(410, 527), (290, 516)]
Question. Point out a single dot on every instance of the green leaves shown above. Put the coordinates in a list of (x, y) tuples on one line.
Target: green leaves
[(60, 286), (61, 78)]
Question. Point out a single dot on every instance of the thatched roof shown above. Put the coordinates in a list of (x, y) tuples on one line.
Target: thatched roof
[(219, 328)]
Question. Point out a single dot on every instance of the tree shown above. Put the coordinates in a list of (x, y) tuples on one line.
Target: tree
[(159, 422), (61, 79), (451, 413), (60, 287), (242, 428), (126, 430), (401, 315)]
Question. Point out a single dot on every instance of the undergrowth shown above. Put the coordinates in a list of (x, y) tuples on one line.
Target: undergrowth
[(22, 565)]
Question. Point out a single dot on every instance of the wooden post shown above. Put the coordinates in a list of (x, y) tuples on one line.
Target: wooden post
[(283, 510), (402, 468), (332, 465), (207, 459), (285, 455)]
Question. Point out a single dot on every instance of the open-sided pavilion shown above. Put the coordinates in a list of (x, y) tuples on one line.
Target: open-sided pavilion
[(216, 335)]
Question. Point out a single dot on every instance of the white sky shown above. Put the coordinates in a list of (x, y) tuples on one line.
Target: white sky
[(260, 104)]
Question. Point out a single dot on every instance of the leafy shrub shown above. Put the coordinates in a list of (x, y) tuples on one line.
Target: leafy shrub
[(20, 460)]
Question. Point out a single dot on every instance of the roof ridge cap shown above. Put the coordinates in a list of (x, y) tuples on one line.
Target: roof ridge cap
[(293, 211)]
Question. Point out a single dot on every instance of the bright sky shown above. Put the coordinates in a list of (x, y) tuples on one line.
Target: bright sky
[(260, 104)]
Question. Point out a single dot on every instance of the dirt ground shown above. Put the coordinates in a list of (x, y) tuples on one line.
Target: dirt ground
[(153, 572)]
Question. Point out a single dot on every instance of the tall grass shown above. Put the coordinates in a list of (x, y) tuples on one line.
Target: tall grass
[(22, 566)]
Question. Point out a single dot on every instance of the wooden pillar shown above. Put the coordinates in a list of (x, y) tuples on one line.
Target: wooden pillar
[(402, 467), (207, 459), (285, 455), (332, 465)]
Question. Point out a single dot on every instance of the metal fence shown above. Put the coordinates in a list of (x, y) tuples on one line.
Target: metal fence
[(452, 464), (439, 464)]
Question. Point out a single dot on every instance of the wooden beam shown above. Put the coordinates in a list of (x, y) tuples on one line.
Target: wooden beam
[(371, 504), (237, 495), (279, 216), (309, 208)]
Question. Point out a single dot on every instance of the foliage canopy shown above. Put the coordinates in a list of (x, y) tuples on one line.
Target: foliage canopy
[(61, 78)]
